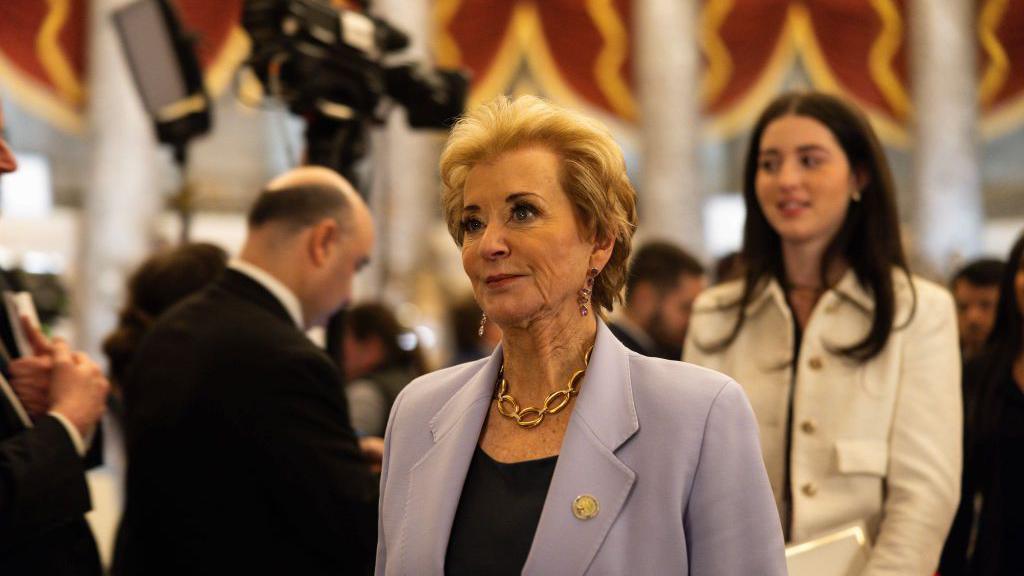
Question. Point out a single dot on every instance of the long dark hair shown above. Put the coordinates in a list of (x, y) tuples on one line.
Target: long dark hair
[(1005, 342), (869, 238), (160, 282)]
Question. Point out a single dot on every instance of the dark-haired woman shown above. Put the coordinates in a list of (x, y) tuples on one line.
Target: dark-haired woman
[(160, 282), (851, 364), (987, 538)]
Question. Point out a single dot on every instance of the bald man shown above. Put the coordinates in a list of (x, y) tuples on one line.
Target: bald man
[(241, 456)]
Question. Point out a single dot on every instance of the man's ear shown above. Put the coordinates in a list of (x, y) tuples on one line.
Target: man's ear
[(323, 241)]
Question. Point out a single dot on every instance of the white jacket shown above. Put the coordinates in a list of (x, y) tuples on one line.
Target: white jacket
[(878, 442)]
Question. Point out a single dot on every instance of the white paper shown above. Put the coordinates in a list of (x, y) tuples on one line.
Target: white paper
[(841, 553), (20, 304)]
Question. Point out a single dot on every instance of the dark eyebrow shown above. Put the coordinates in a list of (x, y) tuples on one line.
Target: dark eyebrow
[(519, 196), (800, 149), (812, 148), (510, 199)]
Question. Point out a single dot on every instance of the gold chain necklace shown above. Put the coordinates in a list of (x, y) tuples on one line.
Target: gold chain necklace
[(531, 417)]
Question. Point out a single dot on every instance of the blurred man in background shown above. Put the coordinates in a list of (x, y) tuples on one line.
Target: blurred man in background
[(976, 292), (662, 284), (241, 458)]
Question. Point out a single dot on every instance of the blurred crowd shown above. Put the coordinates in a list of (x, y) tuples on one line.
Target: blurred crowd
[(844, 354)]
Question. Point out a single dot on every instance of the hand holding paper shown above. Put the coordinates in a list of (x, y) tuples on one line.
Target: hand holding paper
[(78, 389), (31, 374), (56, 379)]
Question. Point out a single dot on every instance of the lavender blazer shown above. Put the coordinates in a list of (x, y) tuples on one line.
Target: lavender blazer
[(668, 449)]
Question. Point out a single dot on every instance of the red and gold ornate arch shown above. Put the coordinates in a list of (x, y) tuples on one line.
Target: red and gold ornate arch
[(579, 52), (848, 47), (44, 46), (42, 57), (1001, 65)]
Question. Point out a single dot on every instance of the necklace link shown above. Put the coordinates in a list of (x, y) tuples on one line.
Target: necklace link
[(531, 417)]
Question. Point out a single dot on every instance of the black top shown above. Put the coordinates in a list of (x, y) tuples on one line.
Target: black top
[(497, 516), (987, 536), (787, 494), (1011, 470)]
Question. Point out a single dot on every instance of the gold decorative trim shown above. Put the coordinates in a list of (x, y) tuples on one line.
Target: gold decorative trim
[(53, 60), (542, 65), (219, 73), (529, 32), (181, 108), (719, 70), (821, 76), (998, 69), (1004, 120), (739, 117), (883, 51), (504, 63), (446, 49), (39, 99), (607, 68)]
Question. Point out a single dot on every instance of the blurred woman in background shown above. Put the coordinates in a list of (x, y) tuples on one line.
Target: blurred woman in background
[(160, 282), (852, 365), (380, 357), (987, 538)]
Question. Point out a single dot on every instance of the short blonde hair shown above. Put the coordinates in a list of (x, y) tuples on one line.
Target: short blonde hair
[(593, 172)]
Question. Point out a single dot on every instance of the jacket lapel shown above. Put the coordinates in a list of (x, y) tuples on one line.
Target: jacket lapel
[(435, 482), (603, 419)]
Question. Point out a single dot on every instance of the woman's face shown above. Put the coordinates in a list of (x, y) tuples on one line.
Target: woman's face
[(804, 182), (522, 245)]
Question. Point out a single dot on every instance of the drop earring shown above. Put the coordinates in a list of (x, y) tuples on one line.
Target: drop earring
[(586, 292), (483, 322)]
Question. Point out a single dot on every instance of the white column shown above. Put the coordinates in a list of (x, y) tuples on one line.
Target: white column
[(405, 191), (948, 213), (124, 196), (668, 84)]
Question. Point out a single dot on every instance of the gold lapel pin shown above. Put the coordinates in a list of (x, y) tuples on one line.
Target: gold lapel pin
[(585, 507)]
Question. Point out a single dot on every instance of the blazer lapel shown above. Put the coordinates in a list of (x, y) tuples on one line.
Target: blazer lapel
[(603, 419), (435, 482)]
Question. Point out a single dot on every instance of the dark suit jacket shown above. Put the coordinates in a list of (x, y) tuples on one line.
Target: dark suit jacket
[(241, 459), (43, 496)]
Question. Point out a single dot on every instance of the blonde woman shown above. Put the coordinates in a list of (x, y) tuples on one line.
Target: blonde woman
[(564, 452)]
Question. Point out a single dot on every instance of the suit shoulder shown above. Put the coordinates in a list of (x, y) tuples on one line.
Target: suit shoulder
[(719, 298), (929, 303), (676, 384), (430, 391), (931, 294)]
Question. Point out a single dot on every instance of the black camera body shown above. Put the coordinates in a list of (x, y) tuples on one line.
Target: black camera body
[(326, 64)]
